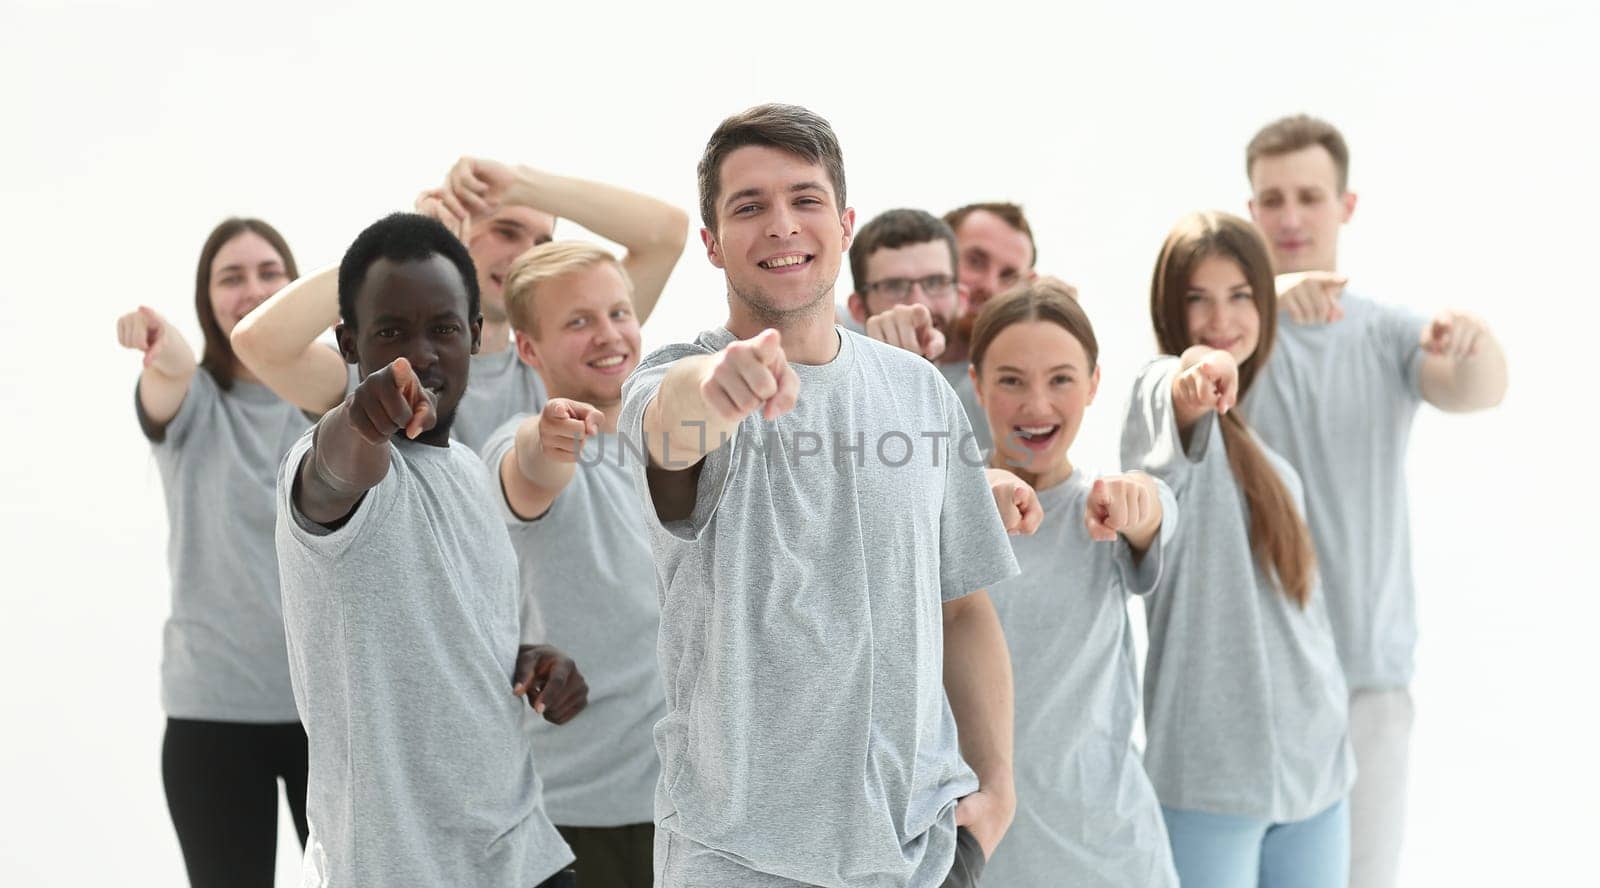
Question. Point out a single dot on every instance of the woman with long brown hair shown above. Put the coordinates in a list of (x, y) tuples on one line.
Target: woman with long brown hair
[(1086, 814), (218, 435), (1245, 704)]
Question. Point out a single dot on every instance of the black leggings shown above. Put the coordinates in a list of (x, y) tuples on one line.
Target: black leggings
[(222, 791)]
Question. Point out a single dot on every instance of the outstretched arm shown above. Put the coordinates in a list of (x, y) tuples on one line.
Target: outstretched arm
[(349, 454), (653, 232), (169, 363), (278, 342), (541, 464)]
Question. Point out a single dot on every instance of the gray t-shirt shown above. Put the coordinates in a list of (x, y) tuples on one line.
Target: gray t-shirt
[(1245, 705), (1337, 400), (499, 386), (223, 657), (1086, 813), (956, 374), (807, 734), (403, 634), (589, 582)]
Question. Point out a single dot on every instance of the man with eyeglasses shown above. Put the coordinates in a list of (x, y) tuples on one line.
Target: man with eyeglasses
[(903, 264)]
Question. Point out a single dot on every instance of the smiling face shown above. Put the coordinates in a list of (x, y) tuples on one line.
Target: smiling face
[(1299, 206), (994, 257), (244, 273), (915, 266), (496, 242), (780, 235), (585, 341), (1220, 308), (417, 310), (1034, 385)]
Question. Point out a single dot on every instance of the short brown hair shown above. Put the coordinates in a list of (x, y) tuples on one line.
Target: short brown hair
[(789, 128), (1293, 133), (891, 230), (1042, 299), (1009, 213), (218, 358), (544, 263)]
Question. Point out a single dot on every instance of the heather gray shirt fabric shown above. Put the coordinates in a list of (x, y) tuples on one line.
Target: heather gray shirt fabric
[(956, 374), (1245, 705), (807, 734), (1086, 813), (1337, 400), (499, 387), (223, 656), (589, 586), (403, 633)]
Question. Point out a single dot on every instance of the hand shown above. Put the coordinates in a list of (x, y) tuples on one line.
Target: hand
[(390, 400), (749, 374), (1311, 297), (476, 186), (909, 327), (143, 330), (1119, 503), (1019, 507), (551, 682), (564, 425), (1453, 334), (1209, 381), (431, 203), (987, 816)]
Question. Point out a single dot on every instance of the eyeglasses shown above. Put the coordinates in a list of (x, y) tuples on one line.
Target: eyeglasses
[(934, 285)]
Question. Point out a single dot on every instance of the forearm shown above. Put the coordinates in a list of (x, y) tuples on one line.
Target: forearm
[(977, 680), (278, 342), (165, 383), (339, 469), (530, 479), (652, 231), (1476, 382), (638, 222), (680, 427)]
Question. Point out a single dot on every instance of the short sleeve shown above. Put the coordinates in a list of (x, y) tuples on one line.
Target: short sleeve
[(717, 468), (493, 452), (1151, 442), (1400, 332), (203, 394), (313, 537), (974, 551)]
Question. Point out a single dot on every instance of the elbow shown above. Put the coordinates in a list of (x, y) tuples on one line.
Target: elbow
[(247, 344), (671, 234)]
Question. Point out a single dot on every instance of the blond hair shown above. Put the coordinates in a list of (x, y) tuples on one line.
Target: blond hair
[(545, 263)]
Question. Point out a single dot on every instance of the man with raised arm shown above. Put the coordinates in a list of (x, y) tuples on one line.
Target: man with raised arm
[(1337, 399), (500, 212), (400, 599), (821, 550)]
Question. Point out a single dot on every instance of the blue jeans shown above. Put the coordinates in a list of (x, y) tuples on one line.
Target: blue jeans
[(1224, 851)]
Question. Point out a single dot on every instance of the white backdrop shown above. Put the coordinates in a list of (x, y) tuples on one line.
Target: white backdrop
[(132, 127)]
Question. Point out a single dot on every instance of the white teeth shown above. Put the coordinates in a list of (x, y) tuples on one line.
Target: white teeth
[(783, 261), (612, 361), (1036, 431)]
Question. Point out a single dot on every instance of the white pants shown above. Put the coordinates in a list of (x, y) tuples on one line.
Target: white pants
[(1380, 733)]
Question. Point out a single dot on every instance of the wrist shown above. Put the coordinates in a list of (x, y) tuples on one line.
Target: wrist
[(526, 186)]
